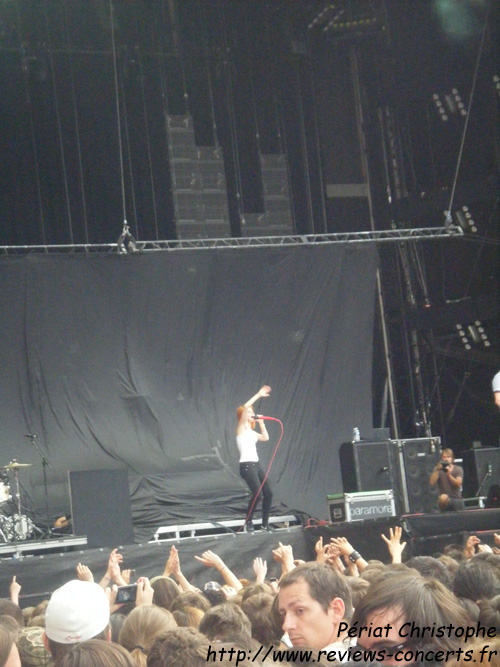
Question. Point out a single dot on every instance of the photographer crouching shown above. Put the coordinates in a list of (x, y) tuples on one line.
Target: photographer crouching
[(449, 478)]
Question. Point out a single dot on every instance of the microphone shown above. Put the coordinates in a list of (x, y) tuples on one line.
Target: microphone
[(31, 437), (261, 417)]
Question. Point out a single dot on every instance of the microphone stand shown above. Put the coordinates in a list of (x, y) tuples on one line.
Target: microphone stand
[(483, 481), (18, 499), (45, 464)]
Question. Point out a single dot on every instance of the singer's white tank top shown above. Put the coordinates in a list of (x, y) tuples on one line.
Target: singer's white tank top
[(247, 445)]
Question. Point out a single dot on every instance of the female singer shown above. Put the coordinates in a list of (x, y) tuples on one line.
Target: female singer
[(250, 468)]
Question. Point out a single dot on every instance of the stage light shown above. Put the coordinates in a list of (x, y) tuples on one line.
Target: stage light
[(465, 220), (454, 104), (440, 107), (323, 16), (474, 334), (463, 336), (482, 333), (333, 21), (346, 18), (358, 26)]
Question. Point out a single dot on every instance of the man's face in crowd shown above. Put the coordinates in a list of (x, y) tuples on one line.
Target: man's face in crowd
[(305, 620), (393, 642)]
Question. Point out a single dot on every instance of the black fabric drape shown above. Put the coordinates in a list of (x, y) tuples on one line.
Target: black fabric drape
[(139, 362)]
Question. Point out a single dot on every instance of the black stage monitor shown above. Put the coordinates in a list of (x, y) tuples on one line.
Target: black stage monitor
[(100, 507)]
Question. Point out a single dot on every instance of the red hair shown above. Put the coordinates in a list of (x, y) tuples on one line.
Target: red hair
[(239, 412)]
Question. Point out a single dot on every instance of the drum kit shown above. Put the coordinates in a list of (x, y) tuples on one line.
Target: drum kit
[(14, 525)]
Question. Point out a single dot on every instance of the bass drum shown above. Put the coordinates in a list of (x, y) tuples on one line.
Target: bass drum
[(17, 527)]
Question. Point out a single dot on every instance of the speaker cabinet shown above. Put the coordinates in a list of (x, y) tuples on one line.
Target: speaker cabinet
[(368, 466), (481, 470), (420, 457), (100, 507)]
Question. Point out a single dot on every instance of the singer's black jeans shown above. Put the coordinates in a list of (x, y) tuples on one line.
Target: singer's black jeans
[(253, 475)]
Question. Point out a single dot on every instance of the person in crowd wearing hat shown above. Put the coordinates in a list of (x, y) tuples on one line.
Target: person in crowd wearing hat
[(76, 612), (32, 651)]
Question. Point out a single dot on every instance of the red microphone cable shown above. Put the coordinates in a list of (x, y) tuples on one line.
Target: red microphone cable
[(256, 497)]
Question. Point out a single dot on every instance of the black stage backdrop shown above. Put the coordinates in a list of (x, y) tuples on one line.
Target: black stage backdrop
[(139, 362)]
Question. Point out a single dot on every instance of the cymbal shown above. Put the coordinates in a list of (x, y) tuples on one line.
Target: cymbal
[(14, 465)]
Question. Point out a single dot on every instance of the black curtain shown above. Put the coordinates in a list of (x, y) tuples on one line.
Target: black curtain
[(139, 361)]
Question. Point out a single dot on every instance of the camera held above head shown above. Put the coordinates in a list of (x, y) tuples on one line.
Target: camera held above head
[(126, 593)]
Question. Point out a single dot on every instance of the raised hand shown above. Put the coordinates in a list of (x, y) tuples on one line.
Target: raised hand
[(394, 544), (260, 569), (14, 589), (342, 545), (284, 555), (114, 560), (211, 559), (333, 558), (84, 573), (348, 552), (173, 565), (321, 551), (145, 592), (470, 546), (113, 573)]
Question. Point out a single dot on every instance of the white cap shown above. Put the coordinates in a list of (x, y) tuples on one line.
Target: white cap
[(77, 611)]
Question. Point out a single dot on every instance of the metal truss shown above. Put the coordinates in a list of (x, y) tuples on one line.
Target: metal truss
[(384, 236)]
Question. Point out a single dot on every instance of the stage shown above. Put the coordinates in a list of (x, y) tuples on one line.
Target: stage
[(272, 237), (43, 565)]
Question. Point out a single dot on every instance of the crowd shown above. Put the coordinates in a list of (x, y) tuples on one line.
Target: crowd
[(440, 609)]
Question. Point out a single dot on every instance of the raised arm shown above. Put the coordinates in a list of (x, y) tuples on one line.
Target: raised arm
[(470, 546), (394, 544), (284, 554), (211, 559), (173, 567), (454, 481), (247, 415), (262, 393), (260, 569), (349, 552), (435, 474), (15, 589), (113, 573)]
